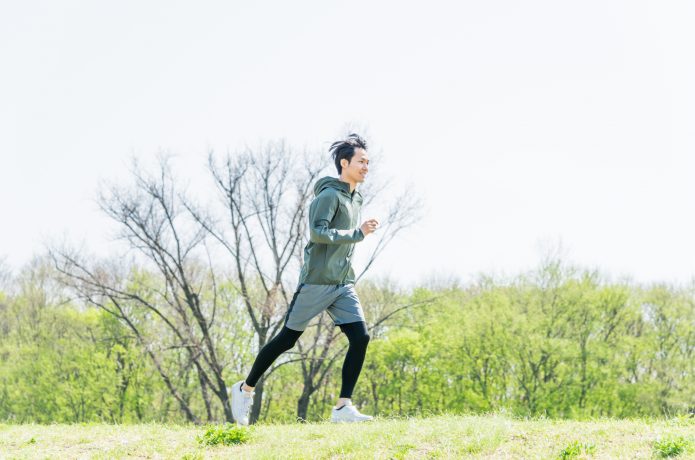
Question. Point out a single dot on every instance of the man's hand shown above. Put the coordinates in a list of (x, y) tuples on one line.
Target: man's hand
[(369, 226)]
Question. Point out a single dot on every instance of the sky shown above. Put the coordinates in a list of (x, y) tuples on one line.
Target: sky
[(518, 124)]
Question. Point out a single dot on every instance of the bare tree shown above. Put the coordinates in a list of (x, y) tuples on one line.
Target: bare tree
[(266, 195), (172, 310)]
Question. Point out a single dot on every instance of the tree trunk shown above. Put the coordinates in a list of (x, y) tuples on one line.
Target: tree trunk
[(255, 414), (303, 403), (257, 400)]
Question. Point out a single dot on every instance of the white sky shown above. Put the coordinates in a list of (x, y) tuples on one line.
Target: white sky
[(517, 122)]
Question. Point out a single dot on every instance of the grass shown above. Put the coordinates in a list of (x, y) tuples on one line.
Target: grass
[(447, 436), (575, 450), (671, 447), (227, 435)]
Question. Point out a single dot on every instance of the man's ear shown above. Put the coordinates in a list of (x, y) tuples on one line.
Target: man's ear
[(344, 163)]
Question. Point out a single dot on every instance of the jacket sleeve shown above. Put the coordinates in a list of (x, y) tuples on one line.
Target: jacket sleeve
[(321, 212)]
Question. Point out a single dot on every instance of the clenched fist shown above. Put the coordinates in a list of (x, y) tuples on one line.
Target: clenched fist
[(369, 226)]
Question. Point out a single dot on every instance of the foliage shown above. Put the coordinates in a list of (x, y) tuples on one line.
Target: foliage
[(670, 447), (575, 449), (226, 435), (558, 342)]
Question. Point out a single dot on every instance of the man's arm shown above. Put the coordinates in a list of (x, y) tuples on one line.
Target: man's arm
[(321, 212)]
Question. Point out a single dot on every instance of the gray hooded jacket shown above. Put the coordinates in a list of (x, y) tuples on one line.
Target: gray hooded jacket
[(334, 229)]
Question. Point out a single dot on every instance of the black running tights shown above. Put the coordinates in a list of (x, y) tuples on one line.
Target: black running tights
[(357, 336)]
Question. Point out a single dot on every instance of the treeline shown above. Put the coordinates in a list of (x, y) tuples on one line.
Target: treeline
[(159, 330), (559, 341)]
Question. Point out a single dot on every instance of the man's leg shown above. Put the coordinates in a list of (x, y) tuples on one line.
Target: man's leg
[(308, 301), (352, 366), (282, 342), (242, 393), (279, 344), (345, 411)]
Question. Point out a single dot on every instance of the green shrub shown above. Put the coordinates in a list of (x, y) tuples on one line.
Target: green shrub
[(670, 447), (227, 435), (571, 451), (574, 449)]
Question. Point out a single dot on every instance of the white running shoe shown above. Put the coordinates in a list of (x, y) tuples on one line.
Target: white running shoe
[(241, 402), (348, 413)]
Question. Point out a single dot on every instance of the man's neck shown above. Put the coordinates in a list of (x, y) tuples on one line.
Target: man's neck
[(352, 184)]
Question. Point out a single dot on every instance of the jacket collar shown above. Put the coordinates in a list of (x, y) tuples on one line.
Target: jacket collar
[(345, 187)]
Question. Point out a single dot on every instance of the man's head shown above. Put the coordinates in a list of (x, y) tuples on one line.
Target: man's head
[(351, 158)]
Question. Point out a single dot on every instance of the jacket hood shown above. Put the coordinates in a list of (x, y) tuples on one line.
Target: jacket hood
[(332, 182)]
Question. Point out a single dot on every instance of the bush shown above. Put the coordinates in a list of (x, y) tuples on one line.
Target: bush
[(670, 447), (227, 435), (574, 449)]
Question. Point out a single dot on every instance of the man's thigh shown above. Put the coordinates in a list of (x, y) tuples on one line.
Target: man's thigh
[(346, 308), (309, 301)]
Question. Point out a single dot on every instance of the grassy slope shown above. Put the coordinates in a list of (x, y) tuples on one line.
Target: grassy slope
[(491, 436)]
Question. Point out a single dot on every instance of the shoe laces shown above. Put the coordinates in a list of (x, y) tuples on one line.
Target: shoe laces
[(352, 409)]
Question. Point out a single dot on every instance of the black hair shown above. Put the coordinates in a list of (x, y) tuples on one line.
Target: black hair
[(346, 149)]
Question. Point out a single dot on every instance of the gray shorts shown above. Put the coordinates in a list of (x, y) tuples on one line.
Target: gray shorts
[(339, 300)]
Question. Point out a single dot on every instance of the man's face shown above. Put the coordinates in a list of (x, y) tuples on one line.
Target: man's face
[(357, 169)]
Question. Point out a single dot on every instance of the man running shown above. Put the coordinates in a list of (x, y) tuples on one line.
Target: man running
[(326, 281)]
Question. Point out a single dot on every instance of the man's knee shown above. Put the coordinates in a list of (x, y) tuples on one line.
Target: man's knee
[(287, 339), (361, 340), (290, 342)]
